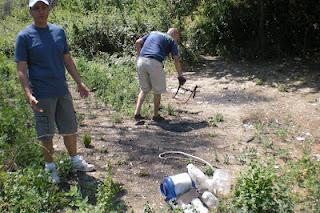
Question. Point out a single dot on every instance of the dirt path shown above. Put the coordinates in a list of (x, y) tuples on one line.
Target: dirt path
[(228, 88)]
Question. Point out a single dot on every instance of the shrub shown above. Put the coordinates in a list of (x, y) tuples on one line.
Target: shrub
[(86, 139), (114, 80), (214, 120), (257, 191), (17, 138), (28, 190), (107, 192)]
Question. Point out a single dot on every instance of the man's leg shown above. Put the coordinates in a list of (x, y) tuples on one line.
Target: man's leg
[(70, 141), (141, 97), (158, 82), (157, 99), (47, 150), (67, 126), (77, 161), (45, 131)]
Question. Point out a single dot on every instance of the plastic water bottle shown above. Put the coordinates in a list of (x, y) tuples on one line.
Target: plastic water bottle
[(210, 200), (220, 183), (198, 177)]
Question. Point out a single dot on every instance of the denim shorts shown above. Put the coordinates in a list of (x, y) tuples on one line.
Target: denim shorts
[(58, 113), (151, 75)]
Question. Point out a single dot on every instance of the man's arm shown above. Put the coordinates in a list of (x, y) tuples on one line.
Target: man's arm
[(139, 44), (72, 70), (177, 64), (22, 74)]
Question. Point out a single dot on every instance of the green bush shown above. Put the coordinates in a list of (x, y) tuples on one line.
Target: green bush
[(214, 120), (17, 137), (260, 190), (303, 177), (114, 80), (86, 139), (107, 192), (28, 190), (11, 24)]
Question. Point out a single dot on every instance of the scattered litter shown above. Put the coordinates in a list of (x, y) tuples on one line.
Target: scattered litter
[(198, 177), (210, 200), (193, 191), (299, 138), (303, 136), (198, 206), (173, 186), (248, 126), (221, 182), (316, 157), (188, 196)]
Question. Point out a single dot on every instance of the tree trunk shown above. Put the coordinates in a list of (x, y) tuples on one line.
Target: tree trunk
[(261, 28)]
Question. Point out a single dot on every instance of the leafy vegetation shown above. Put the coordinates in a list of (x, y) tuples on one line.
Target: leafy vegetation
[(86, 138), (214, 120), (258, 191)]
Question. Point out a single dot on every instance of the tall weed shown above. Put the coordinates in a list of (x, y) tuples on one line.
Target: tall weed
[(257, 190), (113, 80)]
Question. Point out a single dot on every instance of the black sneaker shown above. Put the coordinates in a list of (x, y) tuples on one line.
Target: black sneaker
[(158, 118), (138, 117)]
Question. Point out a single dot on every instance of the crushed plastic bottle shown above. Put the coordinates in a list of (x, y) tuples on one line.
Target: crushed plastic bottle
[(198, 206), (210, 200), (198, 177), (220, 184), (187, 208)]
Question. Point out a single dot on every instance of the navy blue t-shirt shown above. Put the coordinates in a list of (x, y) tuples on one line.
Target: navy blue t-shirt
[(158, 45), (43, 49)]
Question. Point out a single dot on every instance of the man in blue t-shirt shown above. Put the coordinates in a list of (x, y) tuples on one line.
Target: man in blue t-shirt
[(152, 49), (41, 54)]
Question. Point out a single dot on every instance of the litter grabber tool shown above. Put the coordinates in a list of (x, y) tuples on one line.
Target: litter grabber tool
[(192, 92)]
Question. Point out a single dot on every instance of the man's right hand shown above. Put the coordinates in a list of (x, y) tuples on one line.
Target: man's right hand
[(83, 90), (182, 80), (33, 102)]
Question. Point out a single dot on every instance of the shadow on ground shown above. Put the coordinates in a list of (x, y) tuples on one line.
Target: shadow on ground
[(181, 126), (234, 97), (294, 73)]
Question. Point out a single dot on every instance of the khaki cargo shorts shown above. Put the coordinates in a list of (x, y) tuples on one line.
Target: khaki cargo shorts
[(151, 75), (58, 113)]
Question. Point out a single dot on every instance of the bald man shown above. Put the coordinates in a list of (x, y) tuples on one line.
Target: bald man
[(152, 50)]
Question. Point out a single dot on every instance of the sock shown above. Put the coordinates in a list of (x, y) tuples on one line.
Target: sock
[(75, 158), (50, 165)]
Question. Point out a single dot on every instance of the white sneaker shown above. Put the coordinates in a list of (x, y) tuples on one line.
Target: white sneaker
[(53, 175), (79, 164)]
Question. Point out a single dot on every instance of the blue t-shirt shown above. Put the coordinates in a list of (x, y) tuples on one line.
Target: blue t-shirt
[(43, 49), (158, 45)]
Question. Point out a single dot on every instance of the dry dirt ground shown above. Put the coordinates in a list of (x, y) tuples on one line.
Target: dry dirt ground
[(285, 91)]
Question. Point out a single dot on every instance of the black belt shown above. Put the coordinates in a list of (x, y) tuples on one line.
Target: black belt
[(155, 58)]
